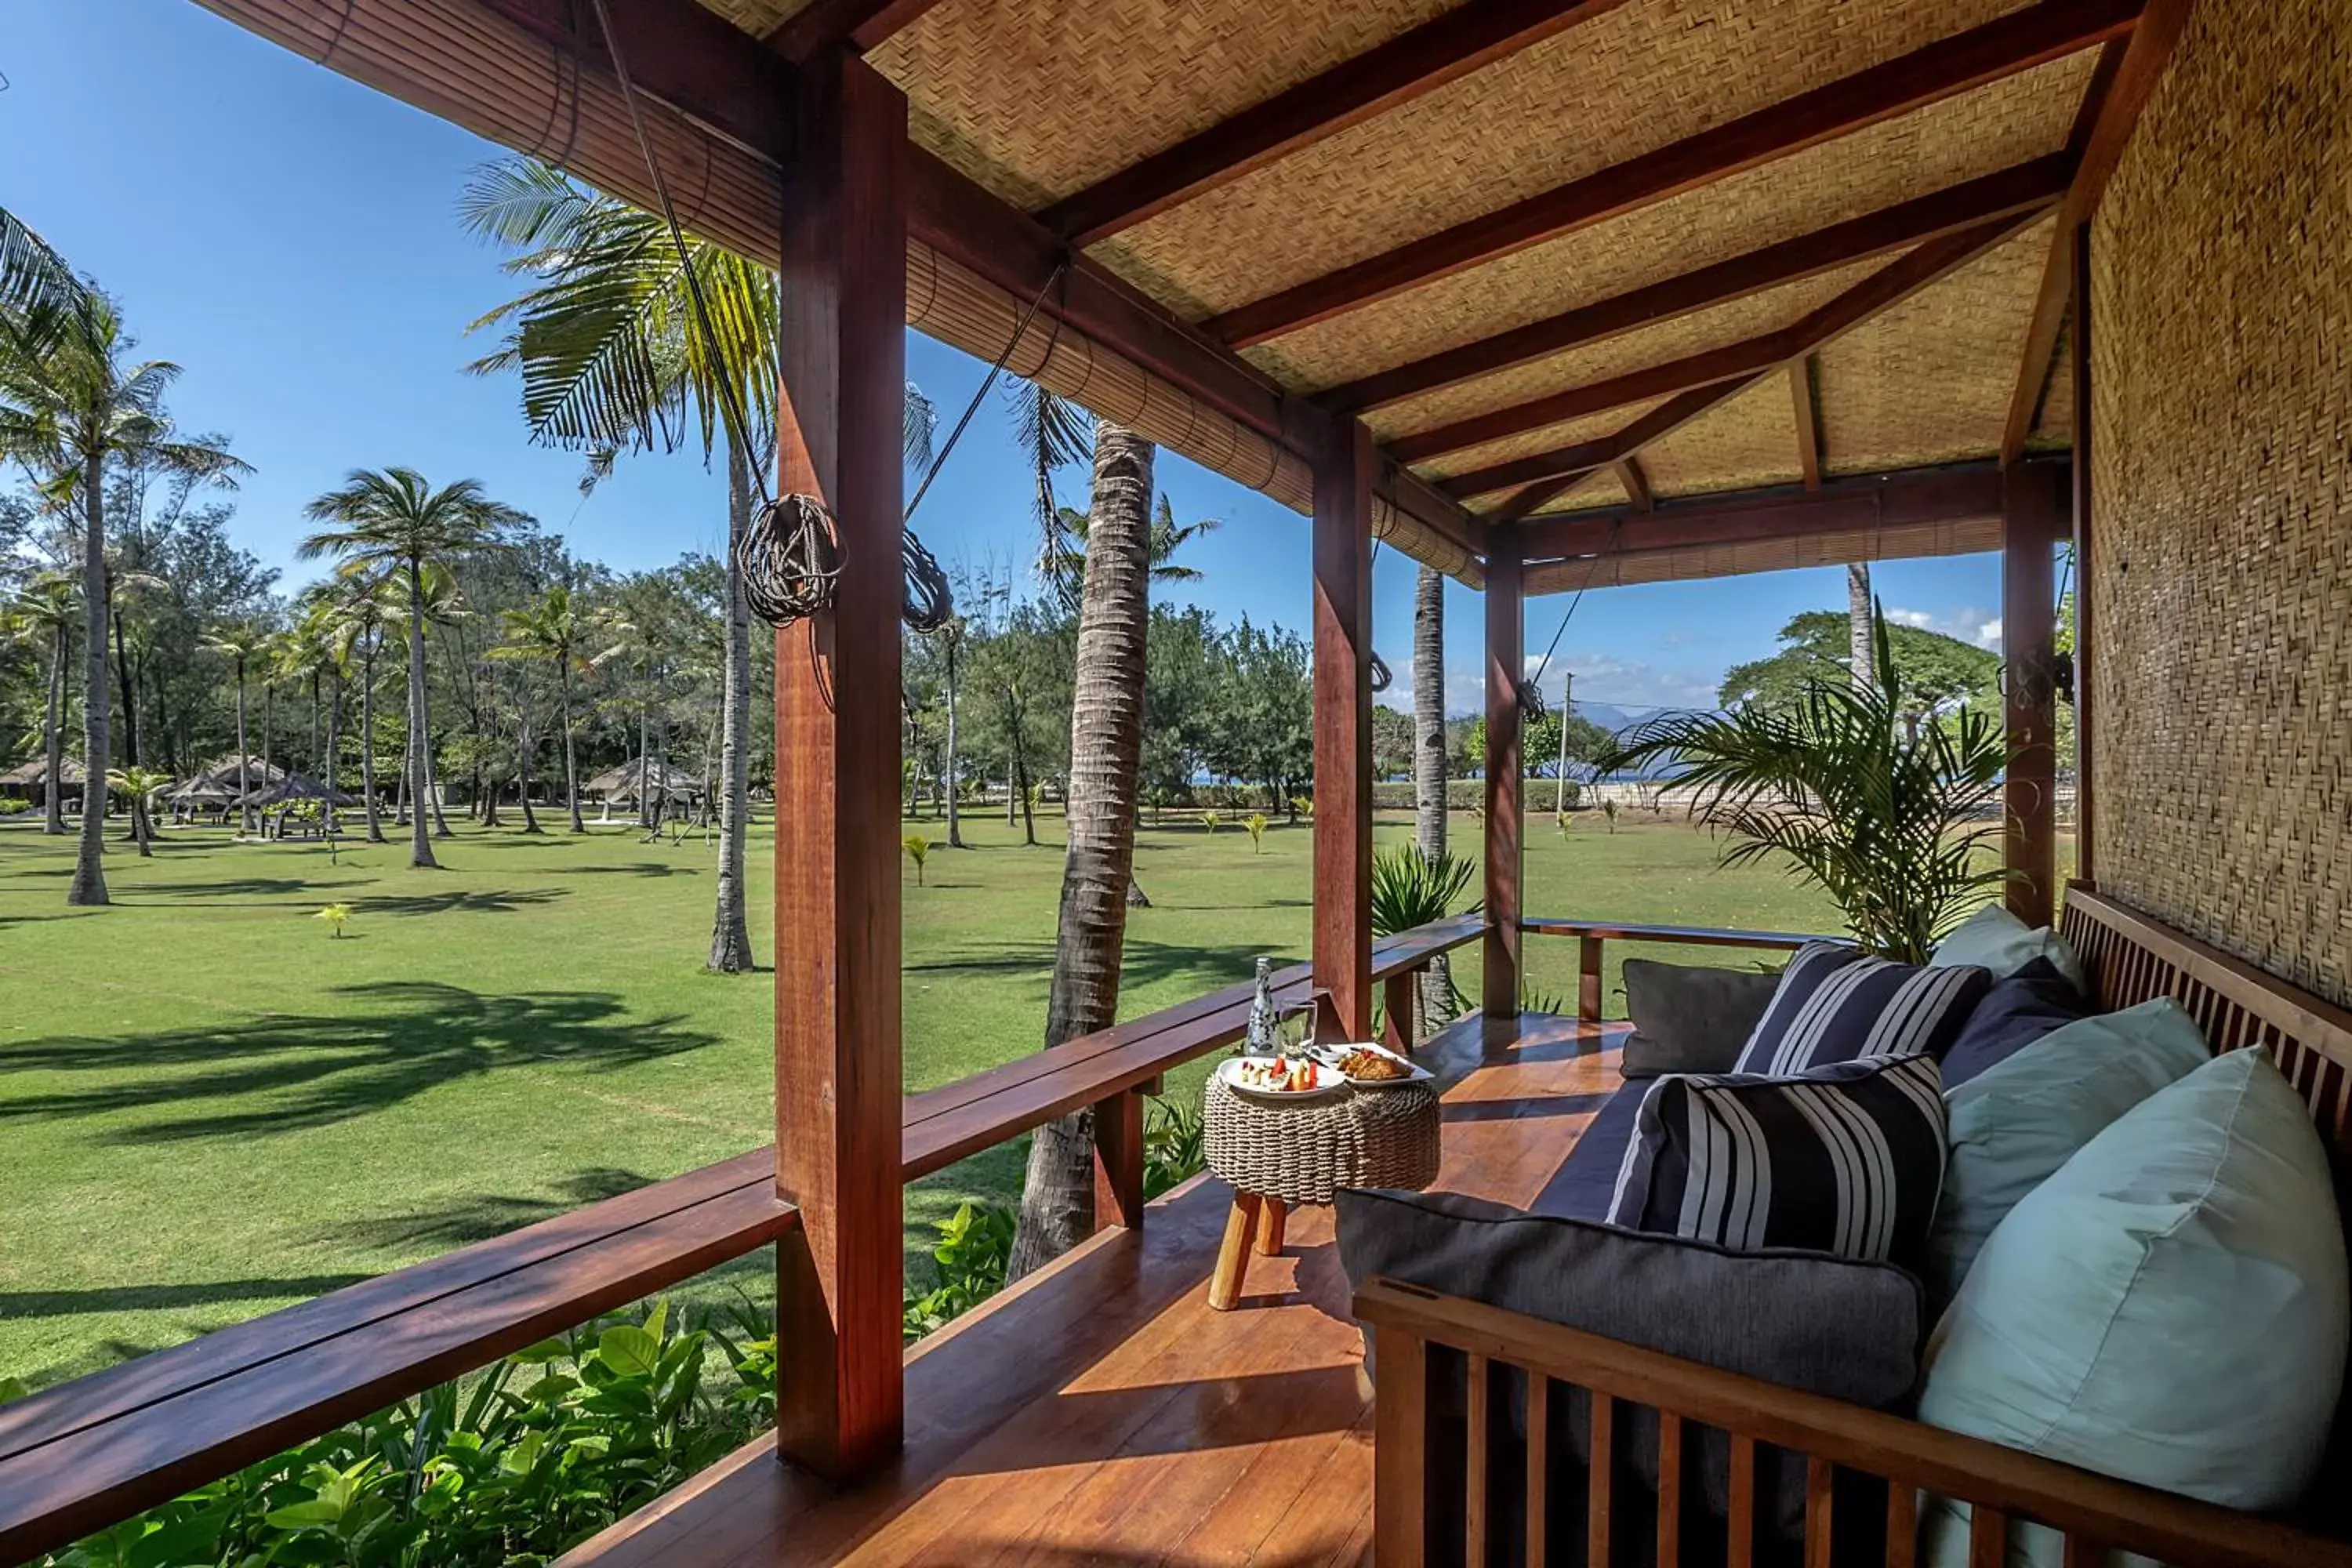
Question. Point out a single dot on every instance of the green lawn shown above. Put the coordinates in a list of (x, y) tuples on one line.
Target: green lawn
[(209, 1108)]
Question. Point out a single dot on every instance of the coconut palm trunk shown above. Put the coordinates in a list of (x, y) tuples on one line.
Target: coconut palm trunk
[(955, 820), (731, 932), (1106, 746), (269, 725), (571, 754), (1861, 658), (331, 767), (522, 766), (420, 756), (367, 736), (89, 886), (53, 734), (1429, 761)]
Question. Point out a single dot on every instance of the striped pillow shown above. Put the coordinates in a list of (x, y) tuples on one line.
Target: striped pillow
[(1835, 1005), (1848, 1160)]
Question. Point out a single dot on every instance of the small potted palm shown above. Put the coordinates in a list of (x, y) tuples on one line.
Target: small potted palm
[(1893, 818)]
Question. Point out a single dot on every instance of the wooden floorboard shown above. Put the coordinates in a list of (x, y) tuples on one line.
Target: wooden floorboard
[(1099, 1413)]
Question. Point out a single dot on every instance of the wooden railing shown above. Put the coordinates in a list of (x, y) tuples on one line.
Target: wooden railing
[(1591, 934), (1419, 1336), (79, 1457)]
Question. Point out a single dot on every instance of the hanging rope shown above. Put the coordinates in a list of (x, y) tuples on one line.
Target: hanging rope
[(790, 559), (1531, 701), (930, 604), (1381, 676)]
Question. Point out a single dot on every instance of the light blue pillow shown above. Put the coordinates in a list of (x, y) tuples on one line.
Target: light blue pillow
[(2016, 1122), (2171, 1307), (1994, 939)]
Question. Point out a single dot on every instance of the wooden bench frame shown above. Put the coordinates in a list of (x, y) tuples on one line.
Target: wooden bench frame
[(84, 1455), (1592, 935), (2131, 958)]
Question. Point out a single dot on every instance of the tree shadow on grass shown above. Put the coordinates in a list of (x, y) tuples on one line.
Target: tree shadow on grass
[(16, 1304), (480, 1215), (1143, 963), (237, 887), (291, 1072), (484, 901), (639, 868)]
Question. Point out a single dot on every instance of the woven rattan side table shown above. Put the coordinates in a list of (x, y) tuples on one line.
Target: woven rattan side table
[(1278, 1154)]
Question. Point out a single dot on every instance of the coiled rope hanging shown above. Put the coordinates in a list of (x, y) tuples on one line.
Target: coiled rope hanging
[(1381, 678), (791, 556)]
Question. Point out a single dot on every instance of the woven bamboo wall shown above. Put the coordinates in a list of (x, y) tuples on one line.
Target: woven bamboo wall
[(2222, 343)]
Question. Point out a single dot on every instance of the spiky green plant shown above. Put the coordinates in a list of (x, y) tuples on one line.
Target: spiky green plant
[(1410, 888), (919, 850), (1257, 825), (1892, 820), (1209, 819)]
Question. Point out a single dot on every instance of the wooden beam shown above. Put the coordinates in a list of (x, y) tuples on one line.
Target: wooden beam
[(2087, 839), (1803, 375), (1889, 286), (2031, 521), (855, 24), (688, 57), (2026, 188), (1637, 485), (1443, 49), (1744, 362), (2111, 108), (839, 1403), (1343, 727), (1499, 972), (2017, 42), (1927, 495), (1658, 423)]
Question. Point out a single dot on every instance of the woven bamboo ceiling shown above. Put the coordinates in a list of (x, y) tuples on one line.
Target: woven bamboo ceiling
[(1573, 256)]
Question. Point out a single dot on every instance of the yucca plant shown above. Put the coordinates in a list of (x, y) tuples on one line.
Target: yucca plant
[(1892, 820)]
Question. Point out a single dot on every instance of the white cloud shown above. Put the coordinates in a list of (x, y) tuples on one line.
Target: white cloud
[(1600, 678), (1970, 623), (1989, 634)]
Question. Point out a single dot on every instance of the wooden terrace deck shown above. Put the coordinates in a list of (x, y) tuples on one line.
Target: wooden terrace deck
[(1099, 1412)]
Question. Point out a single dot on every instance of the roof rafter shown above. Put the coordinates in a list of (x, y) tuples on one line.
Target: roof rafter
[(2126, 80), (1445, 49), (1577, 461), (1801, 375), (2003, 48), (1889, 286), (858, 23), (1636, 483), (2036, 184)]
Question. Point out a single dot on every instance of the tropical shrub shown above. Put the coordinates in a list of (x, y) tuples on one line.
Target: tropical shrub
[(1175, 1144), (1257, 825), (1891, 819), (14, 806), (1209, 819), (335, 915), (968, 1266), (919, 850), (1460, 795), (504, 1469), (1410, 888)]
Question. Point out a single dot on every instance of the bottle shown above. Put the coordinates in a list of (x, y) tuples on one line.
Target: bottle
[(1265, 1039)]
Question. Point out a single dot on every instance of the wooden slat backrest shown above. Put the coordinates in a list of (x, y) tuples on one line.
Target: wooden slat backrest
[(2134, 958)]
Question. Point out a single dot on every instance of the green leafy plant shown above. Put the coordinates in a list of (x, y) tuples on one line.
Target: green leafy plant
[(1257, 823), (14, 806), (1175, 1144), (1302, 805), (502, 1469), (1209, 819), (968, 1262), (335, 915), (919, 850), (1891, 819), (1609, 810), (1410, 888)]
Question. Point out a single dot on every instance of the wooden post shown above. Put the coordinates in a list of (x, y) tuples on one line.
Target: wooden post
[(1499, 983), (1119, 1160), (1588, 979), (1397, 994), (2029, 534), (2086, 860), (840, 1395), (1343, 726)]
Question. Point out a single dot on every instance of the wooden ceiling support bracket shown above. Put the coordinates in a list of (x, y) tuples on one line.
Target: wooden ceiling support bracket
[(2127, 78), (2017, 42), (1803, 374), (855, 24)]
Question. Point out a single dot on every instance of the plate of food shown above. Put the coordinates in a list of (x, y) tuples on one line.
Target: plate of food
[(1368, 1065), (1281, 1077)]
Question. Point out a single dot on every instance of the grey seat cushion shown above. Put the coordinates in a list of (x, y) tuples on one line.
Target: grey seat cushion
[(1810, 1321), (1691, 1017), (1586, 1183)]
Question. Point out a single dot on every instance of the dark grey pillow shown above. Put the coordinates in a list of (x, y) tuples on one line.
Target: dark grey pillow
[(1689, 1018), (1804, 1320)]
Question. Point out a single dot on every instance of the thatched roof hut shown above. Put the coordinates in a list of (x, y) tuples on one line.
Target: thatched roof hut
[(622, 783), (293, 787)]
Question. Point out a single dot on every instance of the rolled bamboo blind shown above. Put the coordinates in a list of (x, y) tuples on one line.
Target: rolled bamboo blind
[(1903, 541), (464, 64)]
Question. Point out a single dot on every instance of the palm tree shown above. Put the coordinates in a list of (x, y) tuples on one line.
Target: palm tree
[(73, 404), (1167, 539), (362, 617), (1858, 618), (392, 521), (1429, 781), (32, 275), (139, 786), (1892, 822), (1106, 747), (615, 353), (45, 611), (241, 644), (550, 628)]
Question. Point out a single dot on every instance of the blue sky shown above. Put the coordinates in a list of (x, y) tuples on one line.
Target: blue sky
[(288, 236)]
